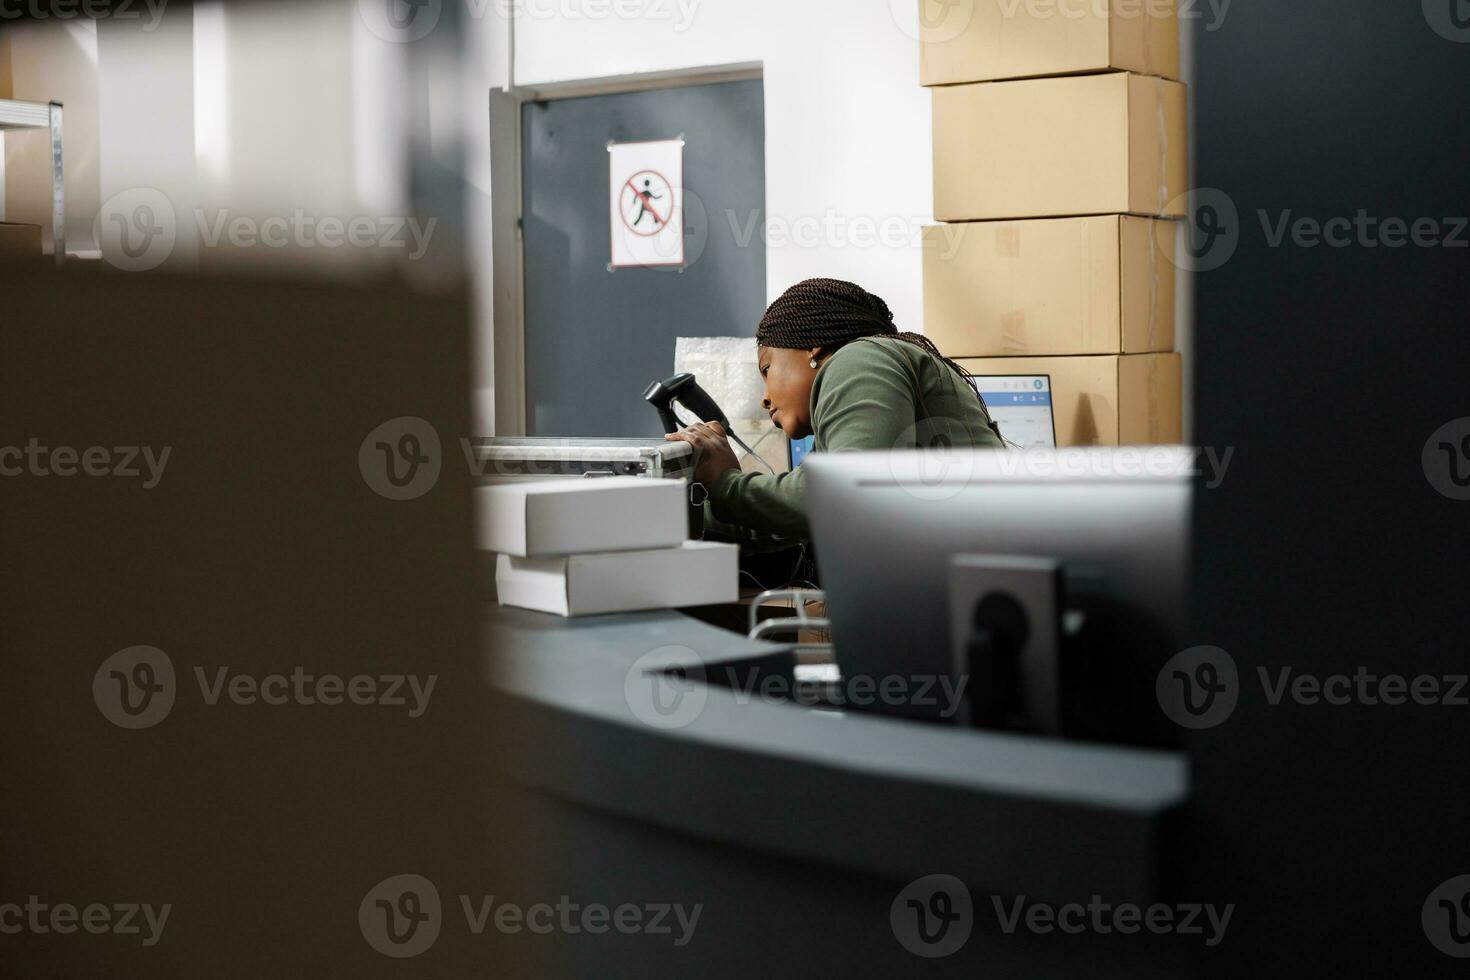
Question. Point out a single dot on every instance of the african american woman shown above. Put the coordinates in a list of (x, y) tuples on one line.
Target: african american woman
[(836, 367)]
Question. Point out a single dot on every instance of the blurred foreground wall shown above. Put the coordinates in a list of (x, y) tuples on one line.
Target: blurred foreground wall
[(193, 467)]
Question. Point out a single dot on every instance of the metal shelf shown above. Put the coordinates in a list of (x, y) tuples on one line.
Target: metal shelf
[(43, 115)]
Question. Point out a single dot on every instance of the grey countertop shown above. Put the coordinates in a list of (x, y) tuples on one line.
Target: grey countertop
[(1008, 813)]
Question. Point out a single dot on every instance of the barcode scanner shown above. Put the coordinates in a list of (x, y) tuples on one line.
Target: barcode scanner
[(682, 388)]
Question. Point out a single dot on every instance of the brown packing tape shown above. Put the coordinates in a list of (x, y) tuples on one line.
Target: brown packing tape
[(1162, 121), (1153, 291), (1120, 397), (1152, 389), (1013, 332), (1146, 286), (1122, 284), (1002, 39), (1089, 325), (1148, 51), (1008, 242), (1162, 242)]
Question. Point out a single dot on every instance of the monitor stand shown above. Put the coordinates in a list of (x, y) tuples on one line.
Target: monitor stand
[(1045, 650)]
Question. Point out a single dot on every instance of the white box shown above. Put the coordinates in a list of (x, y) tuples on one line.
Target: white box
[(565, 517), (701, 573)]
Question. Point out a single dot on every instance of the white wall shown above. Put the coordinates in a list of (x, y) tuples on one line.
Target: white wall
[(277, 119), (847, 125), (145, 80)]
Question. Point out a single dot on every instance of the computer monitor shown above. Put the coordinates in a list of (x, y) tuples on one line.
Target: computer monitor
[(1021, 405), (887, 525), (798, 450)]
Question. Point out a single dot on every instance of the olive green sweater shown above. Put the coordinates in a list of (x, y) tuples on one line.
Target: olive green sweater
[(877, 393)]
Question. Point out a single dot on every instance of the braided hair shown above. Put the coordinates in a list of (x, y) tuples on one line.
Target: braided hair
[(832, 313)]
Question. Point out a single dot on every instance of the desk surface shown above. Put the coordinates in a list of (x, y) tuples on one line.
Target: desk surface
[(1011, 814)]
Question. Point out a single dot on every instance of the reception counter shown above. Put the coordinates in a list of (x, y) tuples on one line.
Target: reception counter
[(716, 751)]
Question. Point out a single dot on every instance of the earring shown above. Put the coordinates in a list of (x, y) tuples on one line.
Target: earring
[(814, 363)]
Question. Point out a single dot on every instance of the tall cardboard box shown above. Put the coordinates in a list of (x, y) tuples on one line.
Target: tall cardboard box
[(1099, 285), (1051, 147), (1116, 400), (995, 39), (19, 242)]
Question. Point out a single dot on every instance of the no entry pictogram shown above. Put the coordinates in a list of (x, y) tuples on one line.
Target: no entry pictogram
[(647, 203)]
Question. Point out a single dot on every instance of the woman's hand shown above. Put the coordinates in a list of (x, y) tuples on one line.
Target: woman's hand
[(714, 453)]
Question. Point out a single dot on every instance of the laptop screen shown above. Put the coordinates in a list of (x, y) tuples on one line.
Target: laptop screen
[(1021, 405)]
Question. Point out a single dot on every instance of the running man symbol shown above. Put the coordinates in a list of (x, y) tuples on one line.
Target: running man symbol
[(647, 203), (646, 197)]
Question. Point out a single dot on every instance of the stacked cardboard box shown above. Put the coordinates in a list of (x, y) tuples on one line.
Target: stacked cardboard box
[(617, 544), (1060, 162), (19, 243)]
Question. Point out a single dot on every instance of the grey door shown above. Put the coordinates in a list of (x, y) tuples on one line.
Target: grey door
[(595, 339)]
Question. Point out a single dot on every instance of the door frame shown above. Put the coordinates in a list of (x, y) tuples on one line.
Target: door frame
[(506, 198)]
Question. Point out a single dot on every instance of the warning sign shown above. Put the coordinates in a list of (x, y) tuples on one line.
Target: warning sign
[(646, 190)]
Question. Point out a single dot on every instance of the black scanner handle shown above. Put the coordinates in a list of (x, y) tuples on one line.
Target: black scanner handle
[(682, 388)]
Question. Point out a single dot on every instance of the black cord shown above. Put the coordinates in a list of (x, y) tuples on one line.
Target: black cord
[(758, 457)]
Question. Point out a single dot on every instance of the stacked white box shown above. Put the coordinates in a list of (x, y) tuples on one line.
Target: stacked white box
[(615, 544)]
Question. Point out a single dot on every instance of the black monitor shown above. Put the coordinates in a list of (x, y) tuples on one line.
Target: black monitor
[(1089, 543)]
